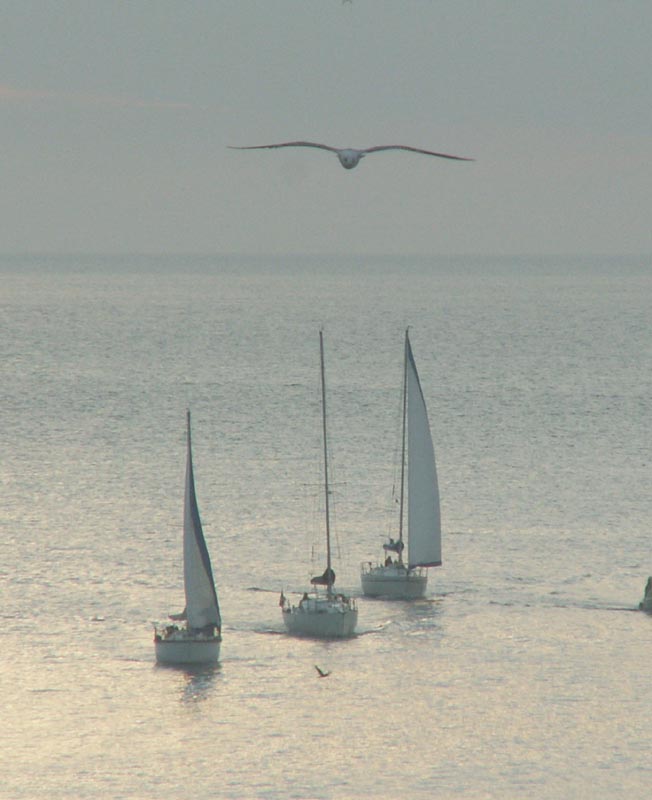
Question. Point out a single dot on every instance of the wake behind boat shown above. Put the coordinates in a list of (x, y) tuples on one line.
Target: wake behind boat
[(197, 641), (322, 614), (394, 578)]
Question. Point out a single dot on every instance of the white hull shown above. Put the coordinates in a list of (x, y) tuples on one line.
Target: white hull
[(321, 618), (182, 647), (393, 582)]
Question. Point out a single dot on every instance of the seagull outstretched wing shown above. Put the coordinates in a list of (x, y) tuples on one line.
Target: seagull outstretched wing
[(414, 150), (286, 144)]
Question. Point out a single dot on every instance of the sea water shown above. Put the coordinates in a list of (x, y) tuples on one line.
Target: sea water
[(525, 673)]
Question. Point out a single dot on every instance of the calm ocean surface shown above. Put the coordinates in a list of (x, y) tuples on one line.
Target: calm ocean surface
[(526, 671)]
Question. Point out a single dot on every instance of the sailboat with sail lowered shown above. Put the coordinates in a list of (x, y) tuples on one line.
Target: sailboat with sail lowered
[(323, 614), (194, 636), (397, 578)]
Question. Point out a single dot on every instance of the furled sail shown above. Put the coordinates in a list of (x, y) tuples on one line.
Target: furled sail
[(202, 607), (327, 578), (424, 525)]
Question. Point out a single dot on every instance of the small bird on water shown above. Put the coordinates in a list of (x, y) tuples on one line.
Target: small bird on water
[(350, 157)]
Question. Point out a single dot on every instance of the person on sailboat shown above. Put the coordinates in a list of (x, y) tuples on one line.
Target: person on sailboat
[(210, 630)]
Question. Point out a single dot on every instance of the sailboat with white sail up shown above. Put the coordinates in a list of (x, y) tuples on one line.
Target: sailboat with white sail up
[(322, 614), (197, 640), (396, 578)]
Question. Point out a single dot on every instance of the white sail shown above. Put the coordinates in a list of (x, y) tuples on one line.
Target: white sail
[(202, 607), (424, 525)]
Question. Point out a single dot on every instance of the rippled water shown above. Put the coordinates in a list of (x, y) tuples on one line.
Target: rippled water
[(524, 674)]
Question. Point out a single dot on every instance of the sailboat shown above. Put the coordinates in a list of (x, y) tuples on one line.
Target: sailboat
[(195, 634), (396, 578), (322, 614)]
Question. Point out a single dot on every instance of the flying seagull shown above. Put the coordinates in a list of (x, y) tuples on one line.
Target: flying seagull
[(350, 157), (321, 672)]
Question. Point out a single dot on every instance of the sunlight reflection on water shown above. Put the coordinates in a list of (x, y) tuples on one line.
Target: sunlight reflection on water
[(523, 674)]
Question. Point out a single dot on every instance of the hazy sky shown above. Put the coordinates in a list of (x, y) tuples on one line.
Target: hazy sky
[(116, 116)]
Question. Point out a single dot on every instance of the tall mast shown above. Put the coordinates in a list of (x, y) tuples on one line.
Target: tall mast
[(329, 572), (400, 523), (190, 478)]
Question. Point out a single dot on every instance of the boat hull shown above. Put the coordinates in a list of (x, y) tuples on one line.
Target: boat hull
[(321, 618), (187, 649), (393, 582)]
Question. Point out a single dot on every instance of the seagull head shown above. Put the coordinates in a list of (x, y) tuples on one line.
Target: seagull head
[(349, 158)]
